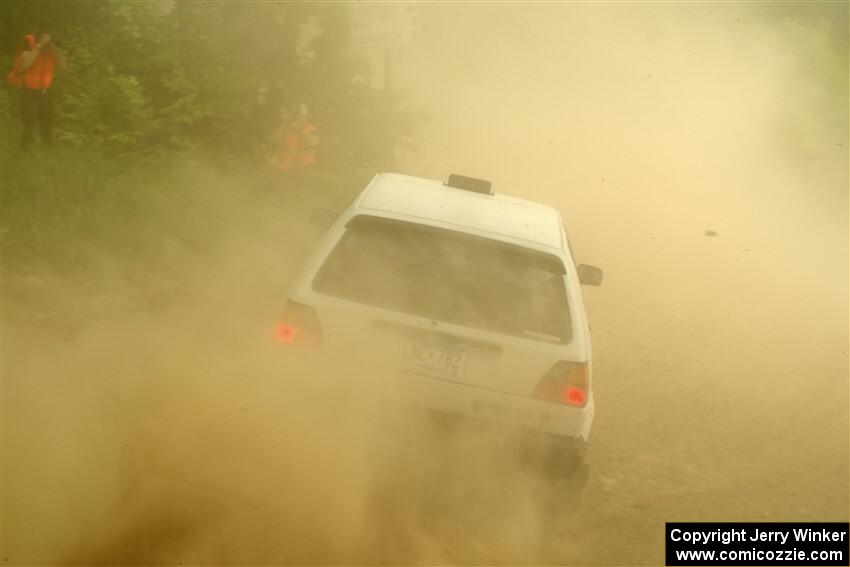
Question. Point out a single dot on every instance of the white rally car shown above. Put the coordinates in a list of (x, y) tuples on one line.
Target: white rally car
[(473, 299)]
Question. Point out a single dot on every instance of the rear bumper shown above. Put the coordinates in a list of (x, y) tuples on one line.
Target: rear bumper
[(555, 454), (546, 435), (552, 435), (544, 419)]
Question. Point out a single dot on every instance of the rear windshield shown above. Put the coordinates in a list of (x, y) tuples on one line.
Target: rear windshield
[(449, 276)]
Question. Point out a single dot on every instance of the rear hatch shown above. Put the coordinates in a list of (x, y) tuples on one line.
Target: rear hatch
[(445, 304)]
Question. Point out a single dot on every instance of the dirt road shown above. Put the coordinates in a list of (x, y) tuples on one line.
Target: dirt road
[(164, 433)]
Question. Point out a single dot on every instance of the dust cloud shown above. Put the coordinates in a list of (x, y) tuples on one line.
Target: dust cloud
[(699, 154), (161, 440), (140, 434)]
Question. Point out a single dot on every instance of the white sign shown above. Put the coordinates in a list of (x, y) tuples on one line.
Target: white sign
[(384, 24)]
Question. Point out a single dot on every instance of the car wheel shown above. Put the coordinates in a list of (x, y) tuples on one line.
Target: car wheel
[(565, 506)]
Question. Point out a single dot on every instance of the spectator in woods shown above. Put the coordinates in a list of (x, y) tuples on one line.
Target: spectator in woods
[(33, 71), (296, 143)]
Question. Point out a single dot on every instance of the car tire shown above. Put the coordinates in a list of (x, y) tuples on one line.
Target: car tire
[(565, 506)]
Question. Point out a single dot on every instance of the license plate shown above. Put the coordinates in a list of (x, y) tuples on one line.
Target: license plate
[(445, 360)]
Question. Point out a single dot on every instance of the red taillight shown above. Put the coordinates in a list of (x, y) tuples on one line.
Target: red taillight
[(575, 396), (565, 383), (298, 324), (285, 333)]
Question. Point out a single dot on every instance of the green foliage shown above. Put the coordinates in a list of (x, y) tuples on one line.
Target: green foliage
[(101, 107), (77, 211), (153, 77), (149, 84)]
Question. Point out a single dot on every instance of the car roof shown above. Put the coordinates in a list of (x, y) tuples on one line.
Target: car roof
[(431, 202)]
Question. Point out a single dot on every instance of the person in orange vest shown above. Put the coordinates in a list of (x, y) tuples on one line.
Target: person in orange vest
[(298, 141), (35, 64)]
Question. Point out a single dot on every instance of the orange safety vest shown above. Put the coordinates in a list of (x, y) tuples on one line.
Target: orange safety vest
[(39, 75), (299, 149)]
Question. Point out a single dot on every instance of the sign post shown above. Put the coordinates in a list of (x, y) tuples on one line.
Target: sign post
[(383, 26)]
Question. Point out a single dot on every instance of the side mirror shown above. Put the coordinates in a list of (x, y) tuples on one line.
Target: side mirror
[(589, 275), (322, 218)]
